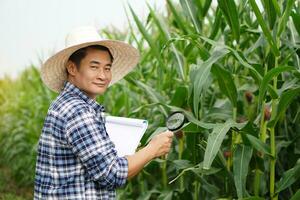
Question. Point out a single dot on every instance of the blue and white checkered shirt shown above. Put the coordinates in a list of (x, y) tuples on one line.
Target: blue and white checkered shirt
[(76, 159)]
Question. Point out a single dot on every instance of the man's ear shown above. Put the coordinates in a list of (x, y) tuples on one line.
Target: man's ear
[(71, 68)]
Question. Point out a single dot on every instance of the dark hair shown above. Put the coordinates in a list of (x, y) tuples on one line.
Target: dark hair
[(78, 55)]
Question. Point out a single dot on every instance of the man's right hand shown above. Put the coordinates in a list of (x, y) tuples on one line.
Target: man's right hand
[(158, 146), (161, 143)]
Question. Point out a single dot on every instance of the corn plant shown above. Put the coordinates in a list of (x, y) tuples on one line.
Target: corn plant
[(234, 70), (24, 103)]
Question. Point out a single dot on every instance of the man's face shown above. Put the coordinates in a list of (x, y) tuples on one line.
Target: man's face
[(94, 73)]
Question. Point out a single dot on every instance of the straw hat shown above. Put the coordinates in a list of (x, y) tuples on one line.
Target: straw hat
[(53, 71)]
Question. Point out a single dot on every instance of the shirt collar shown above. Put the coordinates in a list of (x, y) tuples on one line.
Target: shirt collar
[(69, 87)]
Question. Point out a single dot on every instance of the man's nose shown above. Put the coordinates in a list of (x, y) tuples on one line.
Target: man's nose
[(101, 74)]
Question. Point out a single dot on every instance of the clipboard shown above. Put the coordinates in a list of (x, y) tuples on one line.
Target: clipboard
[(125, 133)]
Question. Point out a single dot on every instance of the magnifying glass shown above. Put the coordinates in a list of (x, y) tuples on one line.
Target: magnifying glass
[(175, 121)]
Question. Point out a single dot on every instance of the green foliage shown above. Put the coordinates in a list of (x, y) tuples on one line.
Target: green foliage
[(23, 108), (241, 159), (230, 13), (233, 69)]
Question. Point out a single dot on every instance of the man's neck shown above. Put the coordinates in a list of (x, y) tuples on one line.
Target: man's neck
[(92, 96)]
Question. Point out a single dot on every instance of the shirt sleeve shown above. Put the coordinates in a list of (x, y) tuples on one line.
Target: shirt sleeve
[(90, 142)]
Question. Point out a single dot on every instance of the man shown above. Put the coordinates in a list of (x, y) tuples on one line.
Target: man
[(76, 159)]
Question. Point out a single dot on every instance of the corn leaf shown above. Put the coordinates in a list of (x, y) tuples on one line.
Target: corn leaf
[(253, 72), (190, 8), (296, 196), (165, 32), (259, 145), (152, 94), (296, 21), (230, 13), (217, 24), (264, 27), (202, 74), (197, 169), (206, 7), (285, 100), (288, 178), (147, 36), (226, 83), (241, 159), (276, 7), (214, 142), (270, 11), (253, 198), (284, 19), (184, 27), (268, 77)]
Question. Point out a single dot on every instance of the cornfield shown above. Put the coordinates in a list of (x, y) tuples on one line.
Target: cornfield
[(233, 68)]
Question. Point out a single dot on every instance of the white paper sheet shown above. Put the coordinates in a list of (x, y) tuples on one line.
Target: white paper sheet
[(125, 133)]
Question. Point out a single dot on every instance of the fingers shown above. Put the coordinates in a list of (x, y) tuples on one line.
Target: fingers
[(167, 146), (169, 134), (167, 141), (170, 140), (163, 142)]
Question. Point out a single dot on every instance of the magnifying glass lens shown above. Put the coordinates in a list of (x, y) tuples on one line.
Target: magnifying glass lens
[(175, 121)]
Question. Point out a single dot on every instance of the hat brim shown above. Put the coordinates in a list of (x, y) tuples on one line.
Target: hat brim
[(54, 74)]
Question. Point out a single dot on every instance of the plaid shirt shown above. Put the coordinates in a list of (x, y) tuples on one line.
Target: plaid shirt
[(76, 159)]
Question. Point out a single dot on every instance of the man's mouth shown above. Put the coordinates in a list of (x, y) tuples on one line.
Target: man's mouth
[(100, 84)]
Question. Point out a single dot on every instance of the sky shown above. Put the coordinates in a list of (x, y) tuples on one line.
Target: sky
[(33, 30)]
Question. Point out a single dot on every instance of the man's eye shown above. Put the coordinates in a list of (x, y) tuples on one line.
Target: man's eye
[(94, 67), (107, 68)]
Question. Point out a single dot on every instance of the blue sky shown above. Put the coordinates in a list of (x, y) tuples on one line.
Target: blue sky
[(34, 29)]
